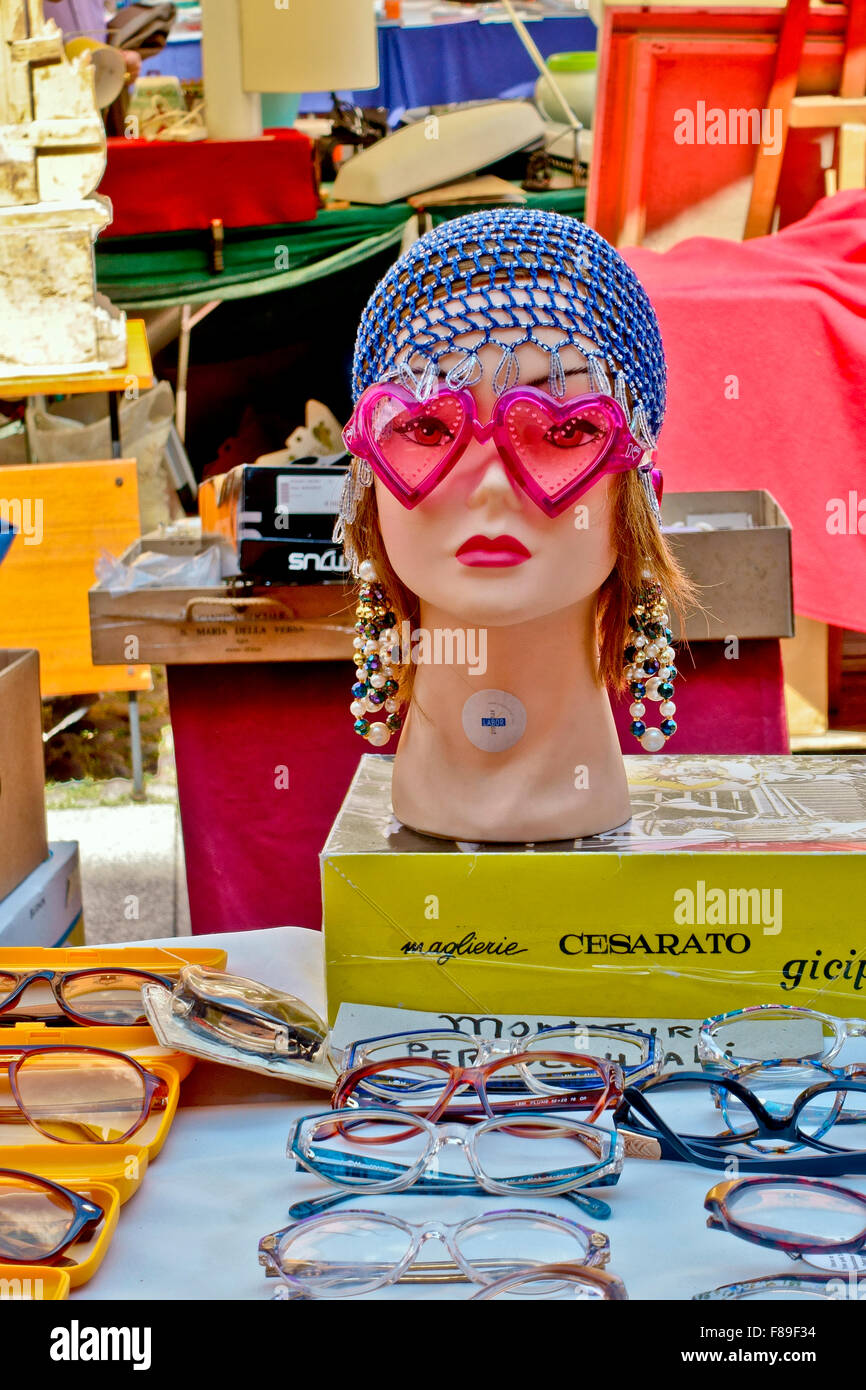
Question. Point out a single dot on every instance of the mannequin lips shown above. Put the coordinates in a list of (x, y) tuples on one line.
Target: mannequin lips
[(492, 552)]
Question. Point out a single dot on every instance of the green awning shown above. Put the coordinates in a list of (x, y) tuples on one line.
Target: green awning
[(151, 272)]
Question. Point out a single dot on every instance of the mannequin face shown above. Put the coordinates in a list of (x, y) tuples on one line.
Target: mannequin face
[(541, 564)]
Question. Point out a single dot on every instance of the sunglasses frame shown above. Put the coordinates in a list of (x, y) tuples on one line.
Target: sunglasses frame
[(57, 978), (86, 1216), (596, 1099), (156, 1089), (722, 1219), (605, 1144), (709, 1151), (621, 453), (449, 1232)]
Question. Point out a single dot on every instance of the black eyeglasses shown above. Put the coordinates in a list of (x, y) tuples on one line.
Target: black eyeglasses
[(695, 1118)]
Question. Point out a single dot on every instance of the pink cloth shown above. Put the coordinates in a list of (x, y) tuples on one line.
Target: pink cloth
[(766, 348)]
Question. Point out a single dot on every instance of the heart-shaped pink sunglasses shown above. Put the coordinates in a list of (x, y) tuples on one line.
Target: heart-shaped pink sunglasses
[(553, 450)]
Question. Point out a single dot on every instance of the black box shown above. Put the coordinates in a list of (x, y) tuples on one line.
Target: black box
[(279, 519)]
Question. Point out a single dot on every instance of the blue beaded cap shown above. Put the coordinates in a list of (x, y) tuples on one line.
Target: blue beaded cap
[(549, 272)]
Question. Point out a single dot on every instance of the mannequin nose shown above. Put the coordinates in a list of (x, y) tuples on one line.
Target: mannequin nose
[(492, 483)]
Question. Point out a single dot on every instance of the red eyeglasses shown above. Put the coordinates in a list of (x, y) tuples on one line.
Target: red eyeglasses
[(510, 1084), (78, 1095)]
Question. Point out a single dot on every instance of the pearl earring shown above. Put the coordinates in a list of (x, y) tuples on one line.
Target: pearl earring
[(375, 689), (649, 667)]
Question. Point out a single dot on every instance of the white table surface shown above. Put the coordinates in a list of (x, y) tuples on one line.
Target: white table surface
[(222, 1181)]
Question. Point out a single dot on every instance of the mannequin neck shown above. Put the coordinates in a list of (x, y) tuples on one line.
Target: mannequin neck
[(465, 770)]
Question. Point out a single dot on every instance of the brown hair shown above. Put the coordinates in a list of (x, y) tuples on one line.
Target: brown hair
[(639, 546)]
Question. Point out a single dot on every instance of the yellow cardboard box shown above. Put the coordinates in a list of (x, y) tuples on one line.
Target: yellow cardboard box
[(737, 881)]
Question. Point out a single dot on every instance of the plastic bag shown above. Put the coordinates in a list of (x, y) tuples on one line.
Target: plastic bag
[(78, 428), (151, 570)]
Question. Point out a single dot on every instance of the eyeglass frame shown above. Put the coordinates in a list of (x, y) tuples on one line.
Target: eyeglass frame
[(448, 1233), (86, 1216), (604, 1173), (596, 1101), (771, 1283), (708, 1151), (720, 1219), (710, 1053), (611, 1286), (156, 1090), (632, 1073), (56, 979)]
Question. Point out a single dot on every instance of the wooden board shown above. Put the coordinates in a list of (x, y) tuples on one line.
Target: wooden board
[(648, 168), (137, 373), (67, 514)]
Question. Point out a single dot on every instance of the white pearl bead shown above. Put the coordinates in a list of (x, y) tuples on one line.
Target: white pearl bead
[(640, 641), (652, 689), (668, 709), (377, 680), (392, 705), (380, 733), (358, 708), (367, 572), (370, 707), (637, 710), (664, 673), (651, 652), (630, 672), (357, 643), (667, 655), (371, 647), (652, 740)]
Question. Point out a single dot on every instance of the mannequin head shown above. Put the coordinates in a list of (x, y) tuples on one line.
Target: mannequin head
[(480, 305)]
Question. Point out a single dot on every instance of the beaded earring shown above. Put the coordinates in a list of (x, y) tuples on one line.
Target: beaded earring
[(649, 667), (375, 689)]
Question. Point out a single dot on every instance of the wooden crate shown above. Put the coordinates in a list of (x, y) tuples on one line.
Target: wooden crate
[(192, 627), (67, 515)]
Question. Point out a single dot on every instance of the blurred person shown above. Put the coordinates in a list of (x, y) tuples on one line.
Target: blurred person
[(87, 19)]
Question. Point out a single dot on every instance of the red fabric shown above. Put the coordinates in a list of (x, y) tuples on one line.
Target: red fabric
[(252, 846), (172, 186), (786, 316), (723, 705)]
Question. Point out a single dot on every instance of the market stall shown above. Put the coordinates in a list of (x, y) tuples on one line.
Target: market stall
[(479, 496)]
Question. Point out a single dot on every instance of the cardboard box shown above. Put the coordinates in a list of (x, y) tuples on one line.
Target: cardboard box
[(279, 520), (23, 837), (742, 567), (46, 910), (737, 881), (222, 624)]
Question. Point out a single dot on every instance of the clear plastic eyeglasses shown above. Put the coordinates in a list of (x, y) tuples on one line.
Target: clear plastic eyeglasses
[(777, 1033), (639, 1055), (361, 1251), (513, 1153)]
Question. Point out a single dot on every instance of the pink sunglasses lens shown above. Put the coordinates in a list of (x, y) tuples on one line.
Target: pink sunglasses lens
[(557, 446), (416, 439)]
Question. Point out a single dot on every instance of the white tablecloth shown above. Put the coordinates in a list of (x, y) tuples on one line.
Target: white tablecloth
[(222, 1181)]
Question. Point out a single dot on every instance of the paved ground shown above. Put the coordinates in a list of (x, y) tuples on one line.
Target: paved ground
[(132, 866)]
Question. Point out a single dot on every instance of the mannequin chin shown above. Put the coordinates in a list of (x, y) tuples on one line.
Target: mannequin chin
[(532, 597)]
